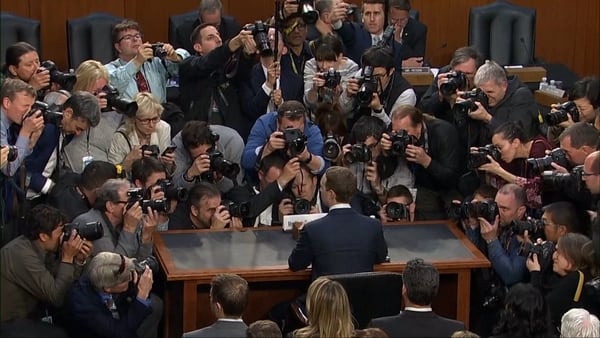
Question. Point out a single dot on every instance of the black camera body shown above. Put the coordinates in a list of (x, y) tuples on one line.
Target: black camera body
[(561, 114), (331, 148), (137, 195), (295, 141), (239, 210), (368, 86), (543, 251), (127, 108), (140, 266), (301, 206), (173, 192), (397, 211), (456, 81), (308, 12), (358, 153), (461, 109), (494, 296), (90, 231), (479, 157), (534, 228), (465, 210), (158, 51), (557, 156), (555, 181), (50, 113), (65, 80), (260, 31), (332, 78), (219, 164), (152, 148), (400, 142), (13, 153)]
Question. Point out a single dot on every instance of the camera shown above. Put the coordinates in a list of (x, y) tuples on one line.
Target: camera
[(90, 231), (400, 141), (368, 86), (158, 50), (239, 210), (557, 156), (65, 80), (467, 209), (543, 251), (172, 192), (358, 153), (332, 78), (295, 141), (331, 148), (51, 113), (534, 227), (456, 80), (152, 148), (388, 35), (479, 156), (13, 153), (219, 164), (127, 108), (555, 181), (260, 31), (140, 266), (561, 114), (301, 206), (309, 14), (397, 211), (462, 109), (137, 195)]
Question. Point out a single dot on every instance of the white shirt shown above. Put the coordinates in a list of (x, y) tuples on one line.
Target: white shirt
[(376, 38), (267, 90), (418, 309), (340, 206)]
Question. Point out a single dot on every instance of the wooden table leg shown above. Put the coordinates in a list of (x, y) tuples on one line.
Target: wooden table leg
[(190, 306), (463, 296)]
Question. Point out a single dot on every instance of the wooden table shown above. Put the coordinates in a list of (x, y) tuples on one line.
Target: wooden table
[(190, 259)]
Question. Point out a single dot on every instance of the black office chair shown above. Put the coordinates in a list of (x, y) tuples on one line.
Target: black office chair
[(372, 294), (503, 32), (90, 37), (17, 28), (176, 23)]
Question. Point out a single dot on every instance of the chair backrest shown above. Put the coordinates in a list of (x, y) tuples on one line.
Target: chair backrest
[(372, 294), (176, 22), (503, 32), (90, 37), (413, 13), (17, 28)]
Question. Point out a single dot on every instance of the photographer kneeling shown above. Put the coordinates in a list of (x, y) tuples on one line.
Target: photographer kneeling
[(399, 205)]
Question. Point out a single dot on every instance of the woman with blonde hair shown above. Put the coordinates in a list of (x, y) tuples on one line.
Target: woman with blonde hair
[(145, 129), (328, 310)]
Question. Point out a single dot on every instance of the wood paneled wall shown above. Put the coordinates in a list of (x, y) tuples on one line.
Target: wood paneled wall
[(567, 32)]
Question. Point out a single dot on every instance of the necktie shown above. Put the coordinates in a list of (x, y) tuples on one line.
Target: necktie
[(141, 82), (375, 40), (110, 304)]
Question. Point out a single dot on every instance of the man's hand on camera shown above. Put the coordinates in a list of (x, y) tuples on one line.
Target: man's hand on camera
[(170, 51), (285, 207), (150, 222), (480, 114), (532, 263), (236, 223), (290, 7), (376, 103), (31, 124), (71, 247), (276, 142), (291, 168), (564, 124), (352, 86), (40, 80), (144, 284), (383, 215), (338, 11), (489, 232), (220, 218), (144, 53), (371, 173), (101, 97), (318, 80), (85, 252), (559, 168), (417, 155), (200, 165), (132, 217), (386, 142)]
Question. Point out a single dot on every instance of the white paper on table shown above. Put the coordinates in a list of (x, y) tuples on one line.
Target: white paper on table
[(289, 220)]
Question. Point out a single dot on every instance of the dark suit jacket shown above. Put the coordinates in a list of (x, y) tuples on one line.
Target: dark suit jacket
[(357, 40), (344, 241), (257, 203), (227, 30), (220, 329), (417, 324), (414, 39)]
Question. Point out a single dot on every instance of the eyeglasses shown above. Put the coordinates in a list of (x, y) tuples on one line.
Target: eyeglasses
[(154, 120), (130, 37), (121, 267)]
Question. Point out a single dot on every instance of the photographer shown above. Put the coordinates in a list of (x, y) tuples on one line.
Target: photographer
[(327, 74), (138, 68), (378, 88), (148, 173), (37, 269), (561, 218), (332, 122), (23, 63), (578, 141), (127, 229), (573, 262), (591, 168), (114, 300), (304, 197), (267, 136), (403, 207), (204, 210), (144, 134), (80, 112), (431, 148), (585, 95), (195, 142), (519, 161)]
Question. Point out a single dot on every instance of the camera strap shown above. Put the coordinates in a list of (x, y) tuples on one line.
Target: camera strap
[(579, 287), (126, 138)]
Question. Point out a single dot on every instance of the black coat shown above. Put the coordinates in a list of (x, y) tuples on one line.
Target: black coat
[(417, 324), (228, 28)]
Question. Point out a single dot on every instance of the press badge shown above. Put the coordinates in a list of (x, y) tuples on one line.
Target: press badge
[(87, 160)]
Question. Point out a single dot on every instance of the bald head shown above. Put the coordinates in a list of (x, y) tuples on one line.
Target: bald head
[(591, 168)]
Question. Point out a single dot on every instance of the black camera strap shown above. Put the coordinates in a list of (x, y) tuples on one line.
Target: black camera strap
[(126, 138)]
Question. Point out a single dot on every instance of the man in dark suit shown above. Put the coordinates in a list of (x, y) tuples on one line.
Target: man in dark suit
[(421, 281), (344, 241), (211, 12), (409, 33), (228, 299)]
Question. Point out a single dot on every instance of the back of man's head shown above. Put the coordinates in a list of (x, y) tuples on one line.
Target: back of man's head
[(96, 173), (421, 281), (263, 329), (85, 106), (579, 323), (581, 134), (230, 291), (342, 181)]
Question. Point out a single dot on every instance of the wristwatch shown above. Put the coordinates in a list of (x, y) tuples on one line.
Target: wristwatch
[(307, 161)]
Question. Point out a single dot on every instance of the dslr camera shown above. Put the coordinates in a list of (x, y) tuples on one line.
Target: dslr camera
[(172, 192), (331, 148), (260, 31), (239, 210), (456, 81), (368, 86), (358, 153), (332, 78), (137, 195), (152, 148), (400, 142), (90, 231), (534, 227), (461, 109), (140, 266), (397, 211), (308, 12), (295, 141), (557, 156), (65, 80), (13, 153), (543, 251), (468, 209), (219, 164), (127, 108), (479, 156), (158, 50), (301, 206), (561, 114), (51, 113), (555, 181)]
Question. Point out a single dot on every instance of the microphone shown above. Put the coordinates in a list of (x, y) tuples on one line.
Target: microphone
[(529, 53)]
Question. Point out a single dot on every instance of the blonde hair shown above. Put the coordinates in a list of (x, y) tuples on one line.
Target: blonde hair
[(328, 311), (88, 72), (148, 108)]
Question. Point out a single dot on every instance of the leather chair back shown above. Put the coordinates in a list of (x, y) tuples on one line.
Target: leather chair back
[(177, 21), (90, 37), (503, 32), (372, 294), (15, 29)]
